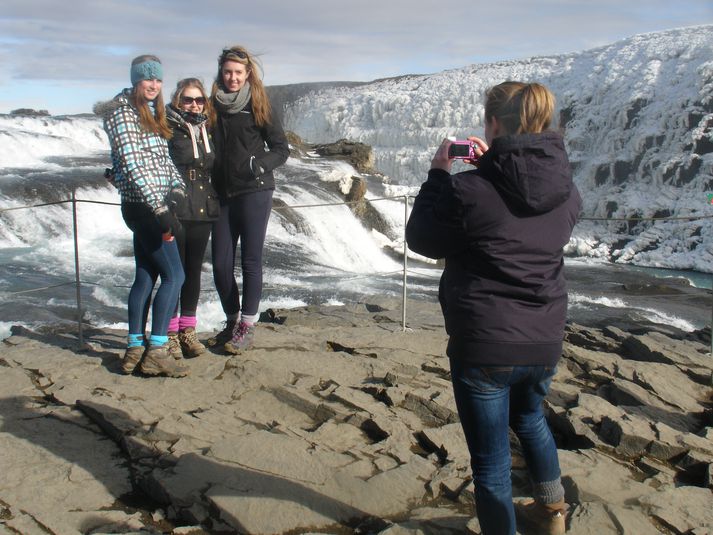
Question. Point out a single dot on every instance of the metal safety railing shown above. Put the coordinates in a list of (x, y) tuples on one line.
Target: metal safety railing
[(78, 283), (75, 233)]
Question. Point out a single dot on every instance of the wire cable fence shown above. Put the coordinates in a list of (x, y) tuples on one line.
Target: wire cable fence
[(405, 271)]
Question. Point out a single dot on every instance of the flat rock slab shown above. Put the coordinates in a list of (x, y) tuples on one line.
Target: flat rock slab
[(682, 509), (59, 471), (336, 419)]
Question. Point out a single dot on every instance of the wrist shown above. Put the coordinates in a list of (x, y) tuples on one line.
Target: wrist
[(440, 164), (438, 172)]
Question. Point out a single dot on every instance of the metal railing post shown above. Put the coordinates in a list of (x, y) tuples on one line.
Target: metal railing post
[(403, 300), (76, 269)]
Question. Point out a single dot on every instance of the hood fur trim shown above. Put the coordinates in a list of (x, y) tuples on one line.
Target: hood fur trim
[(105, 108)]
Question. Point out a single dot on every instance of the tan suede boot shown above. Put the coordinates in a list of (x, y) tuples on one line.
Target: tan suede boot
[(132, 357), (190, 345), (545, 519), (157, 361), (174, 346)]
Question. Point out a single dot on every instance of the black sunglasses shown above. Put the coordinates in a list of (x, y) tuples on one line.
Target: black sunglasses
[(230, 52), (187, 101)]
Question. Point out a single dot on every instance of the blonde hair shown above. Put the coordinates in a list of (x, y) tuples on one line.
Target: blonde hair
[(260, 102), (184, 84), (520, 108), (156, 124)]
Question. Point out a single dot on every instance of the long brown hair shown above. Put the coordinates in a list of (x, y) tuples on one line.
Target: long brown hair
[(519, 107), (260, 102), (184, 84), (156, 124)]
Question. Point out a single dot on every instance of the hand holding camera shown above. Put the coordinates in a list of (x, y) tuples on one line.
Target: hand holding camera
[(468, 150), (462, 150)]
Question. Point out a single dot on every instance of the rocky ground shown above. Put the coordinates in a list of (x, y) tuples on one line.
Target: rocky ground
[(339, 422)]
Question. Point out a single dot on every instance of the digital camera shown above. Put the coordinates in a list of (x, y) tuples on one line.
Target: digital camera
[(462, 150)]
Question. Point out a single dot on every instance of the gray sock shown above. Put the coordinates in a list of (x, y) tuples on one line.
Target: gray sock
[(549, 491)]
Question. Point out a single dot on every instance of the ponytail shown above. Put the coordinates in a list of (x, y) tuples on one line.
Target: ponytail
[(520, 108)]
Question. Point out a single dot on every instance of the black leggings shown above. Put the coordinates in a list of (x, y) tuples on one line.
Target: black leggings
[(242, 218), (192, 241)]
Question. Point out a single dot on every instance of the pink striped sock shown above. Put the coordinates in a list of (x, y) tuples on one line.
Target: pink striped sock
[(173, 325), (187, 321)]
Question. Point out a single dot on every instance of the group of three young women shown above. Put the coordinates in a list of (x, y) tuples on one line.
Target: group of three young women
[(196, 166)]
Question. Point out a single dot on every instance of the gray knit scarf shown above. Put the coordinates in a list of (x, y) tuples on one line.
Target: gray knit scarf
[(230, 103)]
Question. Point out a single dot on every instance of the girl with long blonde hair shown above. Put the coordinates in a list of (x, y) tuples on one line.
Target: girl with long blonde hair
[(250, 145)]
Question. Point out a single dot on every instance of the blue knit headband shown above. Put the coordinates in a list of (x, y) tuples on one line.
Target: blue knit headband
[(148, 70)]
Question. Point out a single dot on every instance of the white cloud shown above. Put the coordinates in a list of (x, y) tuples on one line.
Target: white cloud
[(47, 48)]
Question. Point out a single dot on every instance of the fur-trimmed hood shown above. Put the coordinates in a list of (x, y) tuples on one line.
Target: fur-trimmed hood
[(106, 107)]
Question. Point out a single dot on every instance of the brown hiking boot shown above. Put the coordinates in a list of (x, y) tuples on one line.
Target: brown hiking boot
[(190, 345), (132, 357), (223, 336), (174, 346), (157, 361), (545, 519)]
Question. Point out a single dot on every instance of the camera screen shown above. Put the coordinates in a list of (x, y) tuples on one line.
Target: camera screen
[(458, 150)]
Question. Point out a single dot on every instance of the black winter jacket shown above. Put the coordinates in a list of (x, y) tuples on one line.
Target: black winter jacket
[(244, 164), (501, 229), (201, 198)]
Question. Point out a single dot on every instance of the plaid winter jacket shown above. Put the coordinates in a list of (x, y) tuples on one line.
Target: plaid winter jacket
[(143, 170)]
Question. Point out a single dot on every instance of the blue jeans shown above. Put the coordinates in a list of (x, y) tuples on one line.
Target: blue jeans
[(154, 257), (490, 399)]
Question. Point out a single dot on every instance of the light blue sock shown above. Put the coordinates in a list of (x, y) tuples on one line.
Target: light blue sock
[(157, 341), (135, 340)]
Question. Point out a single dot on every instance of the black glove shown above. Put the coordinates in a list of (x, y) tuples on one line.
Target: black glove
[(177, 200), (109, 174), (167, 221)]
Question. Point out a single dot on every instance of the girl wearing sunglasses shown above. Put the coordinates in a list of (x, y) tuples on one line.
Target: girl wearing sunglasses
[(191, 147), (250, 144)]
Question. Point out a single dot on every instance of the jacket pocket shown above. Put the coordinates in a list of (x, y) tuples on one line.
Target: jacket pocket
[(212, 206)]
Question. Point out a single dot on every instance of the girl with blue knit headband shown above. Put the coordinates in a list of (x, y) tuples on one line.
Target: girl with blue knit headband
[(135, 121)]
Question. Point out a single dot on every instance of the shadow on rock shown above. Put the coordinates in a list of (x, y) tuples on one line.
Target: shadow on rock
[(96, 342)]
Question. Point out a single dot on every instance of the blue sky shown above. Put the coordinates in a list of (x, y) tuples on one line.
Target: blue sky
[(65, 56)]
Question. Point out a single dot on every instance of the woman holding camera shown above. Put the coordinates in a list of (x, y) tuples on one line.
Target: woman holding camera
[(502, 228), (191, 147), (250, 144), (145, 176)]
